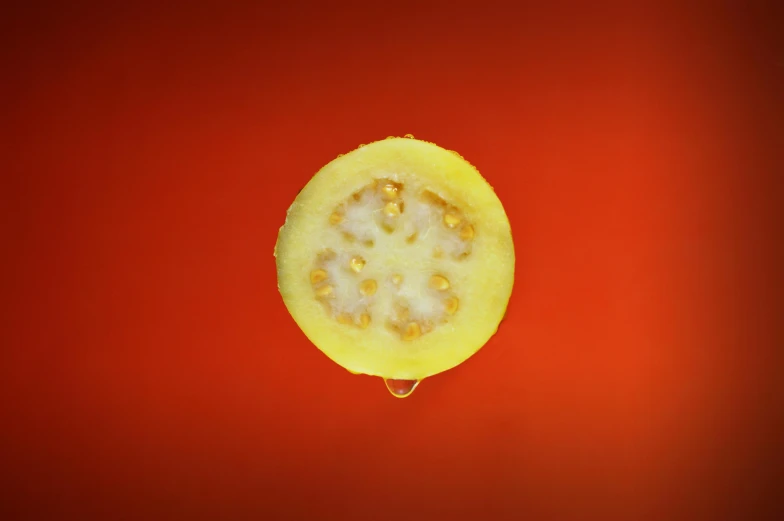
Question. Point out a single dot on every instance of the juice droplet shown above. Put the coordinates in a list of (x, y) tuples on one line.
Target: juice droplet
[(409, 136), (401, 388)]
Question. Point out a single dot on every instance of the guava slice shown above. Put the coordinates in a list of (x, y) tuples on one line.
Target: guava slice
[(396, 260)]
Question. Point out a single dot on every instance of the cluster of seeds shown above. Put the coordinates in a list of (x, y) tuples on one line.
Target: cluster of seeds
[(376, 207), (323, 278), (411, 324), (356, 293), (452, 218)]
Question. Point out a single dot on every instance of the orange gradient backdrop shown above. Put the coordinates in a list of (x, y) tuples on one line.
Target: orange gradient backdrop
[(150, 370)]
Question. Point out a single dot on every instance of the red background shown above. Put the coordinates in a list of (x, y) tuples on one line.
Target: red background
[(150, 370)]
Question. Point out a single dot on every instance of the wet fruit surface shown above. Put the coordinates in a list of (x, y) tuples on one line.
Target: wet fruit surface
[(397, 260), (374, 226)]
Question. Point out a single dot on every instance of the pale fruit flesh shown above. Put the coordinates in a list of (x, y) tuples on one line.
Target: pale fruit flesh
[(396, 260)]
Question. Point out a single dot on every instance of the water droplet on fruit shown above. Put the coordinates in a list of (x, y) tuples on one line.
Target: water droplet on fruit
[(409, 136), (401, 388)]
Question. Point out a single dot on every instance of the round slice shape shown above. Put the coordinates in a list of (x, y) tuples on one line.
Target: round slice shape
[(396, 260)]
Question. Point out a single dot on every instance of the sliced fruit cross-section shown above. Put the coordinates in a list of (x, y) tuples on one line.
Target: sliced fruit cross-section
[(396, 260)]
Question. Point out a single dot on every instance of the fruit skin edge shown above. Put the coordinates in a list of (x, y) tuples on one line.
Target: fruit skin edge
[(449, 357), (384, 373)]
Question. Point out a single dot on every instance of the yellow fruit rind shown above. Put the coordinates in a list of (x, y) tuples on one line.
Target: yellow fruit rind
[(483, 296)]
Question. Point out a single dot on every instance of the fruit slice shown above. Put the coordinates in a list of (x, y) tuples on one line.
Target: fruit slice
[(396, 260)]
